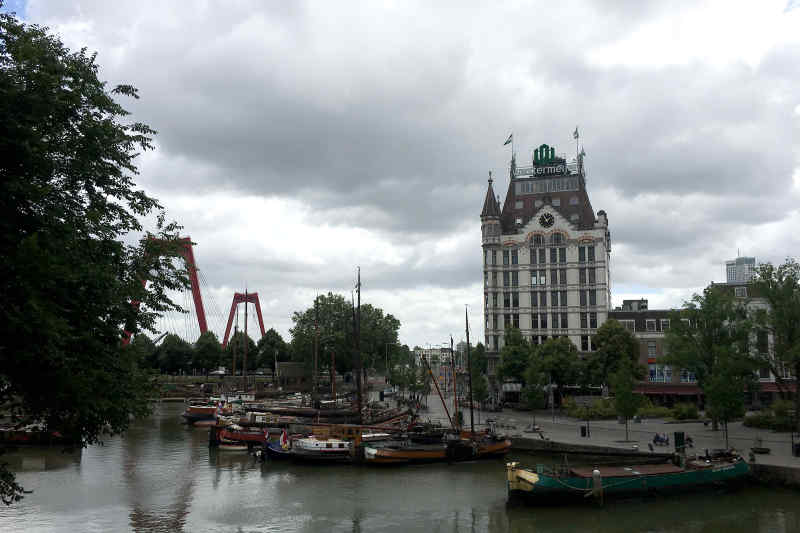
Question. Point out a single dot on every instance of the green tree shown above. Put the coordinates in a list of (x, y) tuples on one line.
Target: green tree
[(145, 351), (174, 355), (725, 393), (514, 356), (710, 330), (331, 318), (780, 286), (236, 343), (626, 402), (478, 359), (207, 354), (71, 265), (614, 345), (272, 347), (556, 361)]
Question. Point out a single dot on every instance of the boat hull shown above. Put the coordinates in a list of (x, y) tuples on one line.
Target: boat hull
[(543, 488), (435, 453)]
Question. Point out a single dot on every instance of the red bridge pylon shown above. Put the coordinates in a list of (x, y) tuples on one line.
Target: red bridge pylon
[(238, 298)]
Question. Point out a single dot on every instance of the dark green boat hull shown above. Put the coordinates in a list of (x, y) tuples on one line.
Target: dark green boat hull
[(548, 488)]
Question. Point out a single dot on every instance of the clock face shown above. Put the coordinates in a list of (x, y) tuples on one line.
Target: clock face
[(546, 220)]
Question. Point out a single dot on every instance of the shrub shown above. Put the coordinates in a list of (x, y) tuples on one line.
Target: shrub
[(760, 421), (777, 417), (685, 411), (600, 409)]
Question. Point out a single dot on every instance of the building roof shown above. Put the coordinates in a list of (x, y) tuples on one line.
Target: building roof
[(490, 206)]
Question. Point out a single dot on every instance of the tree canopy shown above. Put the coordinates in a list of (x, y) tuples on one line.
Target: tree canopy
[(271, 347), (614, 344), (71, 263), (557, 361), (514, 356)]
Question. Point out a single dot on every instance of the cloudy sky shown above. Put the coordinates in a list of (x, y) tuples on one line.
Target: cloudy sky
[(298, 140)]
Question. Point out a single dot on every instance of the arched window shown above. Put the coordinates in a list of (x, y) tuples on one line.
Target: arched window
[(557, 239), (537, 240)]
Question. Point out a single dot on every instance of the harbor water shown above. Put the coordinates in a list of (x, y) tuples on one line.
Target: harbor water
[(162, 476)]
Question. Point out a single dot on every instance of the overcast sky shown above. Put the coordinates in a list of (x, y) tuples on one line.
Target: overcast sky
[(299, 140)]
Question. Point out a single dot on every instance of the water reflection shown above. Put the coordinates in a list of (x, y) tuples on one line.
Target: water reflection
[(161, 476)]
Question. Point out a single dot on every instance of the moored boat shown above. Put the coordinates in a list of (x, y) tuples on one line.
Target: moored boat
[(321, 449), (544, 485), (200, 414), (463, 449)]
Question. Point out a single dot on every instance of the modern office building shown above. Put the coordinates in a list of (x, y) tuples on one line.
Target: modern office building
[(741, 269), (545, 256)]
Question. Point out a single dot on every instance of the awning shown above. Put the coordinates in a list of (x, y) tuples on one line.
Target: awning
[(687, 389)]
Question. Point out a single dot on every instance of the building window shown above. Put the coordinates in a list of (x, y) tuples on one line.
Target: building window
[(562, 255), (583, 298), (555, 321), (556, 202), (590, 254), (650, 324), (584, 343), (688, 377), (556, 238), (494, 299), (543, 299), (553, 277), (664, 324), (762, 342), (506, 321), (494, 321), (515, 320), (592, 297), (573, 200), (592, 278), (534, 300), (562, 276), (515, 279), (630, 325), (651, 348), (538, 240), (581, 254), (535, 321), (542, 256), (593, 320), (582, 276), (659, 373), (514, 299), (486, 257), (542, 277), (505, 257), (496, 342), (553, 255), (485, 278), (543, 321), (506, 279), (514, 257), (564, 320), (506, 299), (563, 298), (534, 277), (494, 257), (740, 292), (519, 204), (554, 300), (584, 320)]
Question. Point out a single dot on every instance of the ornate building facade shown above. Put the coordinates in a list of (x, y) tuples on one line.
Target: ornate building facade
[(546, 256)]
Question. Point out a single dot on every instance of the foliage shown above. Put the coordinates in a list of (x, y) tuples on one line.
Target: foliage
[(780, 286), (146, 351), (236, 345), (556, 361), (272, 347), (174, 354), (654, 411), (478, 358), (777, 417), (626, 402), (614, 344), (333, 316), (514, 356), (685, 411), (207, 352), (71, 264), (600, 409), (725, 396)]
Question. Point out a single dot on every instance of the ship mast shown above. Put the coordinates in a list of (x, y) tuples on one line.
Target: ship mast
[(469, 372)]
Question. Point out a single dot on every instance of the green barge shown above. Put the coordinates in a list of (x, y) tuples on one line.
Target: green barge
[(545, 485)]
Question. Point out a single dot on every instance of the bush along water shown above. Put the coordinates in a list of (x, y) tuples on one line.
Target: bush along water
[(777, 417)]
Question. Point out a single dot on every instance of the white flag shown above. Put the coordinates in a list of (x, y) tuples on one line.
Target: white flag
[(510, 138)]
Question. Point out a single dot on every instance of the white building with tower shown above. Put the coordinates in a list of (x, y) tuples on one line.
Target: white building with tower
[(546, 256)]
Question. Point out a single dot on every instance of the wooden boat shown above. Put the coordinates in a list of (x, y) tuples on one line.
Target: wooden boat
[(463, 449), (544, 485), (200, 413), (321, 449), (233, 446)]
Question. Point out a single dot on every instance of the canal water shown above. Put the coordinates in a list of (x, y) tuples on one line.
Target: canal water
[(161, 476)]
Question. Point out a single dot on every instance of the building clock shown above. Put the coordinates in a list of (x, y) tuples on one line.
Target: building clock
[(546, 220)]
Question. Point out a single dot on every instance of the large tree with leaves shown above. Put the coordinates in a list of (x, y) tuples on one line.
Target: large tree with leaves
[(330, 321), (555, 361), (71, 265), (207, 354), (271, 348), (614, 345), (780, 287), (514, 356), (709, 332), (626, 401)]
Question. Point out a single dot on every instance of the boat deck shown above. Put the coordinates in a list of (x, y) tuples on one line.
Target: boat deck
[(628, 471)]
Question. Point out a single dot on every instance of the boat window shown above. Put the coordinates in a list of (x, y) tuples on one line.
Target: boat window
[(341, 445), (328, 445)]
